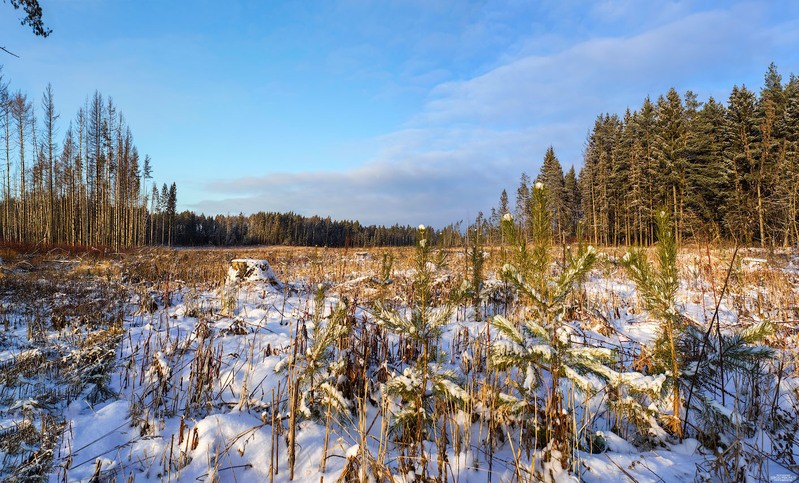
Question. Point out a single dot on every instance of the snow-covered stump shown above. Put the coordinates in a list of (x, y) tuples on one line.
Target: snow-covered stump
[(251, 270)]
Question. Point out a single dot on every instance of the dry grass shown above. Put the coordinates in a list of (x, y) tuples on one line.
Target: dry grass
[(62, 318), (56, 304)]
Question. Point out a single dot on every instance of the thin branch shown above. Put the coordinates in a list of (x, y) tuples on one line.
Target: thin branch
[(706, 338), (9, 52)]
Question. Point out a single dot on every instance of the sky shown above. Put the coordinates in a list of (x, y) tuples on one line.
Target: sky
[(409, 112)]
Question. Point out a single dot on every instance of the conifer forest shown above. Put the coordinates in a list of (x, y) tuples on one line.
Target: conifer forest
[(635, 318)]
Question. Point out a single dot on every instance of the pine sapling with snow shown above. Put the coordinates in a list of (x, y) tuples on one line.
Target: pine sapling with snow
[(421, 384), (474, 288), (734, 358), (538, 346), (318, 369), (657, 287)]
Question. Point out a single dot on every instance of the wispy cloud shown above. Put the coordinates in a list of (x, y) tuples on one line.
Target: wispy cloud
[(433, 176), (474, 137), (599, 74), (378, 193)]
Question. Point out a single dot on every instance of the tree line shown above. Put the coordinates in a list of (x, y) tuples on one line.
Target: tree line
[(720, 171), (271, 228), (87, 187)]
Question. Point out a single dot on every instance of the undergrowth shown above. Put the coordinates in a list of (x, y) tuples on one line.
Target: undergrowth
[(516, 362)]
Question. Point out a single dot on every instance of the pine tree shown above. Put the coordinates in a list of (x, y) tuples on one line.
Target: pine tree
[(541, 341), (50, 118), (317, 371), (5, 131), (740, 144), (657, 288), (713, 359), (21, 115), (551, 176), (571, 202), (416, 391)]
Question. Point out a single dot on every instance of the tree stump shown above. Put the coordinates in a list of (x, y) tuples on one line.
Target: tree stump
[(251, 270)]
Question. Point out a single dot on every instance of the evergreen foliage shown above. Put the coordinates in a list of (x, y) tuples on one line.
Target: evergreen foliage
[(474, 285), (319, 368), (540, 344), (712, 361), (720, 171), (272, 228), (657, 288), (87, 191), (551, 176), (33, 16), (572, 211), (417, 389)]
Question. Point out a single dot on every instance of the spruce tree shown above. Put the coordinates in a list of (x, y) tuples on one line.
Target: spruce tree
[(741, 139), (596, 178), (551, 176), (496, 216), (504, 207), (791, 154), (571, 202), (635, 194), (672, 137), (771, 160), (522, 199)]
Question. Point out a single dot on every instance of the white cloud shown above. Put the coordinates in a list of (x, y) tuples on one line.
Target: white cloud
[(474, 137), (533, 89)]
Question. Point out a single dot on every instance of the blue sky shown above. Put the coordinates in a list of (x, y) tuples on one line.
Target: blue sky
[(417, 111)]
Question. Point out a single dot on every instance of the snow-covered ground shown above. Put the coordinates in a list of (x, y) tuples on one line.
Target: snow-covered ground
[(200, 387)]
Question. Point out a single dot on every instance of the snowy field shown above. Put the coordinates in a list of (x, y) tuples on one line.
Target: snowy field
[(173, 366)]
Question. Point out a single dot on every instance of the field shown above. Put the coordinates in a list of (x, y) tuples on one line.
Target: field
[(400, 365)]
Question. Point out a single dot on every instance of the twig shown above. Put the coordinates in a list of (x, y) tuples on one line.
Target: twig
[(226, 468), (706, 339), (643, 463), (74, 452), (9, 52), (621, 469)]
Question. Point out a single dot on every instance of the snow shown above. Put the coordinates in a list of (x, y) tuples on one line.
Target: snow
[(251, 270), (352, 451), (615, 443), (160, 353)]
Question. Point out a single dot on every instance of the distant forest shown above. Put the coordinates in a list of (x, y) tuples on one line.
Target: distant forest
[(722, 172), (286, 229)]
